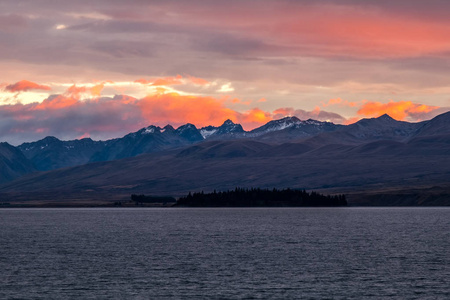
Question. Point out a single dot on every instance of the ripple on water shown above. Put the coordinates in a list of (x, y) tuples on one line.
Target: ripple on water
[(341, 253)]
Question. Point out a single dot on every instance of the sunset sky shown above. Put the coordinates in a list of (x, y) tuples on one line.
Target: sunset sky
[(103, 68)]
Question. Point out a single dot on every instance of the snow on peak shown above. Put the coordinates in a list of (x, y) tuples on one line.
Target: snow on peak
[(207, 132), (185, 127), (150, 129), (280, 124), (312, 122)]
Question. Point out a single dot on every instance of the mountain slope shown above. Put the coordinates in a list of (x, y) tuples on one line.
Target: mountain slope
[(148, 140), (13, 163), (368, 130), (437, 126), (51, 153), (290, 129)]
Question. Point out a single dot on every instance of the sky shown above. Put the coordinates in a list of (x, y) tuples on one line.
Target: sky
[(101, 69)]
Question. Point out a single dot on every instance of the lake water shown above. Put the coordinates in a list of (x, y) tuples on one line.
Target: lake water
[(221, 253)]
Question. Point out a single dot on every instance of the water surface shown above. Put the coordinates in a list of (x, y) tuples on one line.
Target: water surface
[(225, 253)]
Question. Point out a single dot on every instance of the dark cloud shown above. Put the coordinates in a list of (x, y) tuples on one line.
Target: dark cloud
[(316, 114), (105, 118)]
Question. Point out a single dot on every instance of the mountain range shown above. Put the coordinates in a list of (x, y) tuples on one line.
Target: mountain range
[(51, 153), (375, 161)]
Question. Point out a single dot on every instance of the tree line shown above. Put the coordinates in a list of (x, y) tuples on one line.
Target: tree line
[(256, 197)]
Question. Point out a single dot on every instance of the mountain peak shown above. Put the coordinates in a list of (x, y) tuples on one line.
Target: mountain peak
[(50, 138), (290, 118), (385, 117), (228, 122), (276, 125), (168, 127), (189, 132), (150, 129), (187, 126), (229, 127)]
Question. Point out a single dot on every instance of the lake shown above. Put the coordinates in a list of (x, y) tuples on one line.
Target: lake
[(225, 253)]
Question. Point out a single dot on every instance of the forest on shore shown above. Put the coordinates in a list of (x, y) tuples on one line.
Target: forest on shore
[(257, 197)]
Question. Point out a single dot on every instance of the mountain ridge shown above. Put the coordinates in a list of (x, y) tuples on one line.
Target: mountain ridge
[(153, 138), (378, 153)]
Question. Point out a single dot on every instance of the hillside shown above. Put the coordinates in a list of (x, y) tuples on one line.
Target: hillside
[(13, 163)]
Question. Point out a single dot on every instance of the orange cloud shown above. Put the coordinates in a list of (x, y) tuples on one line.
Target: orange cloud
[(173, 80), (25, 85), (168, 81), (142, 81), (239, 101), (340, 102), (254, 118), (198, 81), (57, 102), (68, 116), (96, 90), (180, 109), (398, 110)]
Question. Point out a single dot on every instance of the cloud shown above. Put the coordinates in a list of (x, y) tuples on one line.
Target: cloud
[(174, 80), (162, 81), (198, 81), (401, 110), (316, 114), (339, 102), (67, 116), (82, 110), (254, 118), (226, 88), (95, 90), (25, 85), (181, 109)]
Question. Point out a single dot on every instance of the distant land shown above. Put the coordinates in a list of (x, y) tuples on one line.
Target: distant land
[(378, 161)]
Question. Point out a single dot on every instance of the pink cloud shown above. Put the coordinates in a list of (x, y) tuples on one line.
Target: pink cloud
[(25, 85)]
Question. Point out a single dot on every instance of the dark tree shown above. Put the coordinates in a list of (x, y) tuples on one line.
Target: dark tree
[(240, 197)]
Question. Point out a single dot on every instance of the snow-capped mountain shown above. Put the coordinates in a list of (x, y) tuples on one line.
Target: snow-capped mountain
[(277, 125), (291, 128), (147, 140), (228, 129), (52, 153)]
